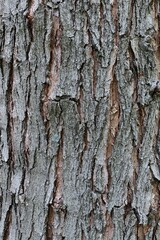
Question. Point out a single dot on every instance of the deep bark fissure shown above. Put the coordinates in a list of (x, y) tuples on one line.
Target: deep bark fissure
[(10, 105), (56, 207), (7, 224), (25, 126), (114, 116)]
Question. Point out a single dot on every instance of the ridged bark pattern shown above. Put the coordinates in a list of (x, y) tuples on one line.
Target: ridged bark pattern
[(79, 120)]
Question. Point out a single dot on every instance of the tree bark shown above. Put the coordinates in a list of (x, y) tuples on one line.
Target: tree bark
[(79, 120)]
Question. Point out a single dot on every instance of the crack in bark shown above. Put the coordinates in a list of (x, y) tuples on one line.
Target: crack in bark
[(56, 207), (131, 15), (25, 125), (79, 104), (141, 118), (53, 73), (85, 147), (55, 55), (1, 202), (50, 217), (93, 164), (57, 198), (10, 106), (95, 69), (32, 224), (7, 224), (114, 116), (30, 16), (134, 69), (101, 23)]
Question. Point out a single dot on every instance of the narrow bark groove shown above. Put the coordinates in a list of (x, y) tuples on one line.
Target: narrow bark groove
[(10, 106), (7, 224)]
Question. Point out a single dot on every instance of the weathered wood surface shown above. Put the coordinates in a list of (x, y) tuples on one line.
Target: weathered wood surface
[(79, 120)]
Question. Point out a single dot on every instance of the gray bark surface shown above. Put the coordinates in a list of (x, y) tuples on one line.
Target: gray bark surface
[(79, 120)]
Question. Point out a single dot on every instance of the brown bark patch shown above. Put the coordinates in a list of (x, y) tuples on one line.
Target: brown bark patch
[(30, 16), (56, 207), (53, 71), (55, 55), (142, 231), (114, 116), (50, 218), (108, 232)]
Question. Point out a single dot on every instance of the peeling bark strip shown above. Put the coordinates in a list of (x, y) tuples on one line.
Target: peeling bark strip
[(79, 120)]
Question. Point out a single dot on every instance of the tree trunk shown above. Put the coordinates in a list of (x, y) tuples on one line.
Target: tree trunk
[(80, 120)]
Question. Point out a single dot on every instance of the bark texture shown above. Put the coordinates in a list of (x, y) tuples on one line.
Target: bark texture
[(79, 120)]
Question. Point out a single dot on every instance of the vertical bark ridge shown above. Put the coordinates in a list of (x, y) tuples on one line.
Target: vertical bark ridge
[(115, 20)]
